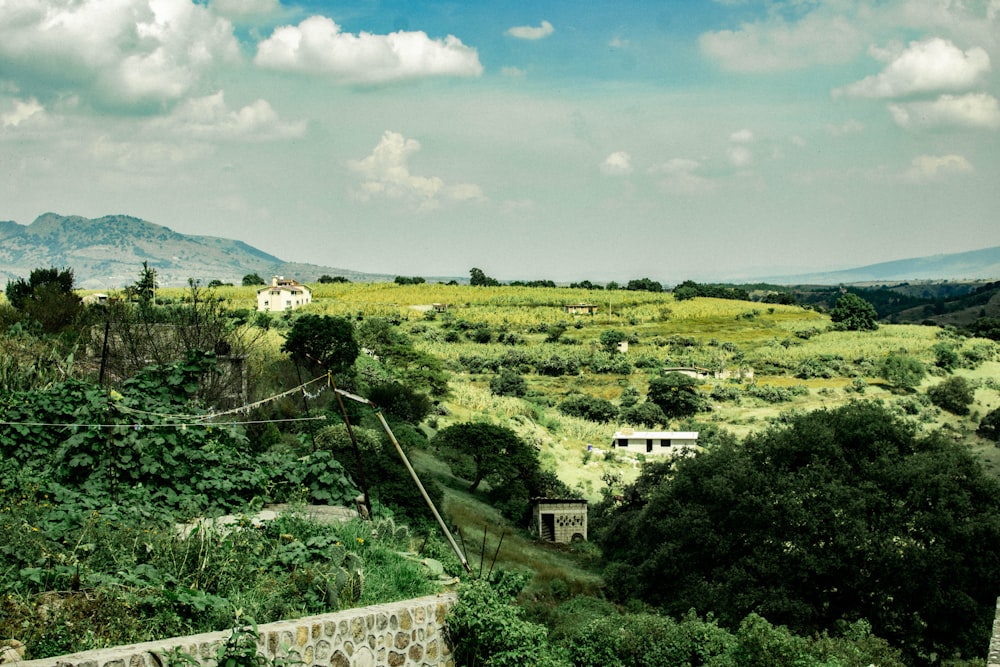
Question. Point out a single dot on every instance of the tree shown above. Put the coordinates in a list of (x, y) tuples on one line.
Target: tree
[(479, 279), (324, 340), (590, 408), (611, 339), (903, 371), (852, 313), (46, 297), (644, 285), (252, 279), (839, 514), (676, 394), (481, 451), (144, 289), (954, 394)]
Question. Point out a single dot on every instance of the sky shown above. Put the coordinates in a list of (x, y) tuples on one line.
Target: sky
[(566, 141)]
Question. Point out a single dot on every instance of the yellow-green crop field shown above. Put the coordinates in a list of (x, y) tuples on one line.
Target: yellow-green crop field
[(778, 343)]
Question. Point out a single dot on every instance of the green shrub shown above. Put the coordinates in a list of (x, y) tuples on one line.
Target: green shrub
[(954, 394), (508, 383), (589, 408)]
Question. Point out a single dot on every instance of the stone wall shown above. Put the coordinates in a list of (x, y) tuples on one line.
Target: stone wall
[(409, 633), (993, 658)]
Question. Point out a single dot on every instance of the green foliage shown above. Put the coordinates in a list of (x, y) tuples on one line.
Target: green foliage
[(676, 394), (945, 356), (852, 313), (989, 426), (902, 370), (479, 279), (779, 523), (690, 289), (954, 394), (508, 383), (611, 339), (497, 455), (388, 480), (46, 297), (323, 340), (486, 629), (252, 280), (409, 280), (588, 407), (644, 285), (641, 639), (986, 327), (646, 413)]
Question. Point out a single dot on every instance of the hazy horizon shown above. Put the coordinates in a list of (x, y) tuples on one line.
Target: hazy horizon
[(547, 140)]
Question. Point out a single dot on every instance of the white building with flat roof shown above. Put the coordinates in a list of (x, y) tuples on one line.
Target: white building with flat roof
[(655, 443)]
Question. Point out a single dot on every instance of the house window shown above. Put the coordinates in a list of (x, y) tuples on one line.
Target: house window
[(288, 304), (649, 444)]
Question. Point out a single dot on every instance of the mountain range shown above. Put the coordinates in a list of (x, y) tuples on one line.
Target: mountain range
[(108, 252)]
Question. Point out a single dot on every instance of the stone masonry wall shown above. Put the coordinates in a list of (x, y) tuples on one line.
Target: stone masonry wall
[(409, 633), (993, 658)]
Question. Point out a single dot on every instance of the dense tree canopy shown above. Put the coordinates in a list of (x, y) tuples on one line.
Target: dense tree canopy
[(324, 340), (676, 394), (252, 279), (852, 313), (839, 514), (46, 297), (483, 452), (477, 278)]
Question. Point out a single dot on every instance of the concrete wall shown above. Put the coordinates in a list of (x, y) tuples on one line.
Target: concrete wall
[(409, 633)]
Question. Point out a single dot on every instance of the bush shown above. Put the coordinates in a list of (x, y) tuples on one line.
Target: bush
[(486, 627), (989, 427), (508, 383), (643, 414), (954, 394), (589, 408), (557, 365)]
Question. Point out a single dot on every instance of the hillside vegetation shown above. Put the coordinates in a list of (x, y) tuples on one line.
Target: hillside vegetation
[(432, 357)]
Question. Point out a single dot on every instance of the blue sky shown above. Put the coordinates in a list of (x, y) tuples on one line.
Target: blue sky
[(542, 140)]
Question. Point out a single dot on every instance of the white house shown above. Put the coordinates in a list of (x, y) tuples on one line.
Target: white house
[(655, 443), (283, 294)]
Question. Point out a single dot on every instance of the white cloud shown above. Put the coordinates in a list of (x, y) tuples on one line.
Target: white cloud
[(975, 110), (848, 127), (775, 45), (929, 167), (741, 136), (531, 32), (680, 176), (22, 111), (386, 174), (239, 9), (210, 118), (739, 156), (144, 157), (121, 53), (930, 66), (617, 164), (318, 46)]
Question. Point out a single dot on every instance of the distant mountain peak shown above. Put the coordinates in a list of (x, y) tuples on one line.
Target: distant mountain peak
[(108, 252)]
